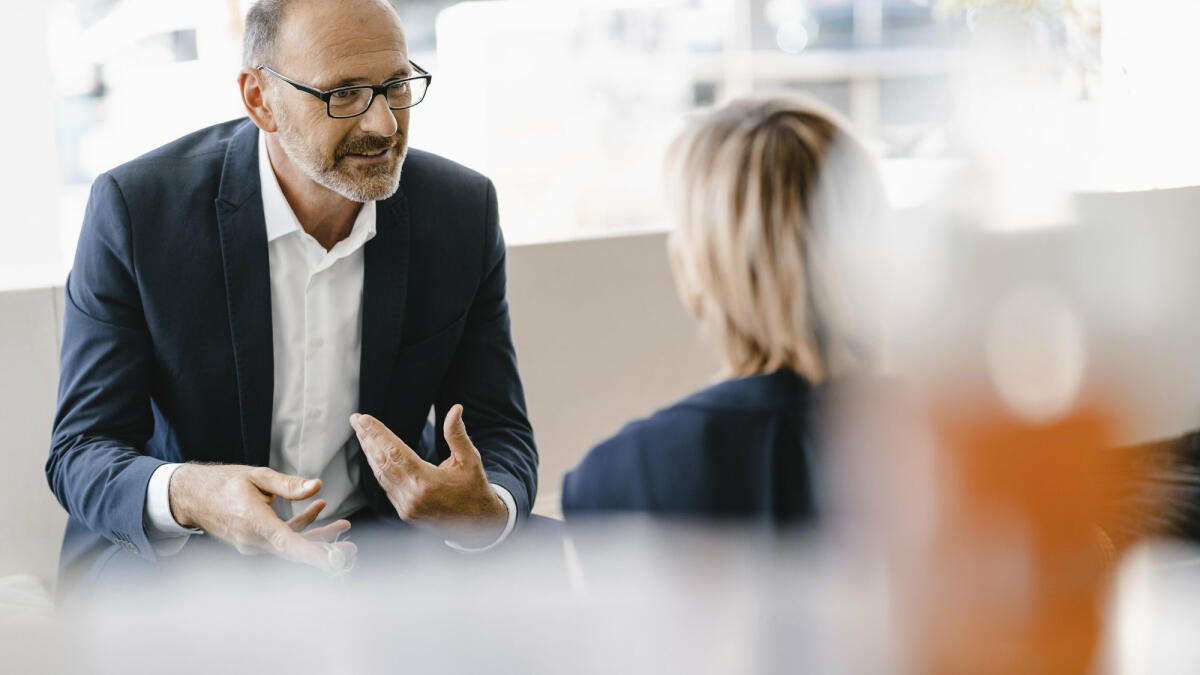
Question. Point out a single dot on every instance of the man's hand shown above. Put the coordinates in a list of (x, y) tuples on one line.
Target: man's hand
[(454, 496), (233, 503)]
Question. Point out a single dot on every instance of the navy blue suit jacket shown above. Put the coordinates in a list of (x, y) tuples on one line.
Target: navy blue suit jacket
[(741, 449), (167, 345)]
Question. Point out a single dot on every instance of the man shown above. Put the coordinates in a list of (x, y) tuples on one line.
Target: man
[(239, 293)]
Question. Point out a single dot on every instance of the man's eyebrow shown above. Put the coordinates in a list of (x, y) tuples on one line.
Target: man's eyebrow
[(350, 81)]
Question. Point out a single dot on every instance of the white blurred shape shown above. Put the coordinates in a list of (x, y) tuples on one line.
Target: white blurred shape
[(1036, 353), (1152, 607), (792, 37)]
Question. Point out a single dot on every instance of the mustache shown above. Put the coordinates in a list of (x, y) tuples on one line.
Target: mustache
[(368, 145)]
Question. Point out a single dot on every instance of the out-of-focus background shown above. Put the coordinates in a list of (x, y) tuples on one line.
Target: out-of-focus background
[(567, 105)]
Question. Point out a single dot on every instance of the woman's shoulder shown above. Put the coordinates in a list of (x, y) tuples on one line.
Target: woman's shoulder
[(624, 470), (728, 401)]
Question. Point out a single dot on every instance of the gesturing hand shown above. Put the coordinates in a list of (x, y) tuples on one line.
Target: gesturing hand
[(233, 503), (453, 496)]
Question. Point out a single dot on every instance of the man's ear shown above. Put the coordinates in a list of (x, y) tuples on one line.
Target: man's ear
[(254, 97)]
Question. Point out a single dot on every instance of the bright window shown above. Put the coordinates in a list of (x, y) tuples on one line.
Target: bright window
[(567, 105)]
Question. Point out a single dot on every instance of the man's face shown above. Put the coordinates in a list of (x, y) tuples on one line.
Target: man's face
[(328, 45)]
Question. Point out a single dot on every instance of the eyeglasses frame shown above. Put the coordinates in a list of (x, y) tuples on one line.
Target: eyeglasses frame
[(376, 89)]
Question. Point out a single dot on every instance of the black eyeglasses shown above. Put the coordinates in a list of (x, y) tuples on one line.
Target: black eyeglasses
[(354, 100)]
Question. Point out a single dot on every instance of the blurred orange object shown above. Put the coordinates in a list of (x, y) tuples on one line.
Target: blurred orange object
[(1030, 521)]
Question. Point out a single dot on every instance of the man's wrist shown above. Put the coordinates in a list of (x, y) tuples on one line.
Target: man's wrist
[(177, 497), (160, 512), (510, 505)]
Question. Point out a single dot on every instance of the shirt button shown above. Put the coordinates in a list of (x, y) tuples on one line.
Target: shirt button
[(314, 414), (316, 343)]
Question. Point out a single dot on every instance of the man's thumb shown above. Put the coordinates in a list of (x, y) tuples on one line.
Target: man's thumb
[(456, 436), (288, 487)]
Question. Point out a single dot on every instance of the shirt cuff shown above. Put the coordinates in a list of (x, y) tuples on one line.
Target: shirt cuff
[(167, 535), (510, 504)]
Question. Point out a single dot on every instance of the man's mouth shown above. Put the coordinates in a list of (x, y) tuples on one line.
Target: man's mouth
[(382, 153)]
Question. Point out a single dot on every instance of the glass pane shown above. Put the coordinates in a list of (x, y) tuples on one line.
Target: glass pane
[(349, 101), (404, 94)]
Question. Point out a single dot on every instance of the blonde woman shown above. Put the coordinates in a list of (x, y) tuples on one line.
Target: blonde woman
[(764, 190)]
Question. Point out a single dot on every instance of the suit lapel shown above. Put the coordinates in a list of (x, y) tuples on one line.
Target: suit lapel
[(385, 287), (242, 229)]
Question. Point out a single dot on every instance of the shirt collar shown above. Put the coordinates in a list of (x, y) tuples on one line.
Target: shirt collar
[(281, 219)]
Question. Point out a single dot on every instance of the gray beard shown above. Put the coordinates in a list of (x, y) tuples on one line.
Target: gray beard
[(373, 186)]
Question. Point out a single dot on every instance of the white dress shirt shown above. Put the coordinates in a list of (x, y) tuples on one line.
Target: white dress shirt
[(316, 323)]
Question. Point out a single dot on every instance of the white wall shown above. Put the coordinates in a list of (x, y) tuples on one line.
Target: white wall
[(31, 522)]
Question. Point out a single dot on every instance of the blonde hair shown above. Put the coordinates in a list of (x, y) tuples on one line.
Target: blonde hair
[(758, 188)]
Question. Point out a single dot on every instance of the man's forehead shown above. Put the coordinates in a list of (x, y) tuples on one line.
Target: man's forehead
[(335, 68)]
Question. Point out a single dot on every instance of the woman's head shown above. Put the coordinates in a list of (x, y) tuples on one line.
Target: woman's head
[(759, 189)]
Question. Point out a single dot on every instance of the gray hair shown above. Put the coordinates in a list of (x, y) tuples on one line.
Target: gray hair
[(262, 28)]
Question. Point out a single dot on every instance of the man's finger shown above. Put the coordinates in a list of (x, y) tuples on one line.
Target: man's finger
[(383, 448), (302, 520), (327, 533), (340, 556), (289, 487), (461, 447), (279, 539)]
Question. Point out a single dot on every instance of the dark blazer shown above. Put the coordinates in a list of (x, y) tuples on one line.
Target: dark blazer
[(167, 349), (741, 449)]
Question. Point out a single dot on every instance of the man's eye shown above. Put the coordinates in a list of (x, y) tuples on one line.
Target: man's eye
[(345, 93)]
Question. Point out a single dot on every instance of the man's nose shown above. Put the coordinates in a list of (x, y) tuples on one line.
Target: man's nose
[(379, 119)]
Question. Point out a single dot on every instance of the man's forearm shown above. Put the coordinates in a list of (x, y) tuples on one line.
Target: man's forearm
[(102, 483)]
